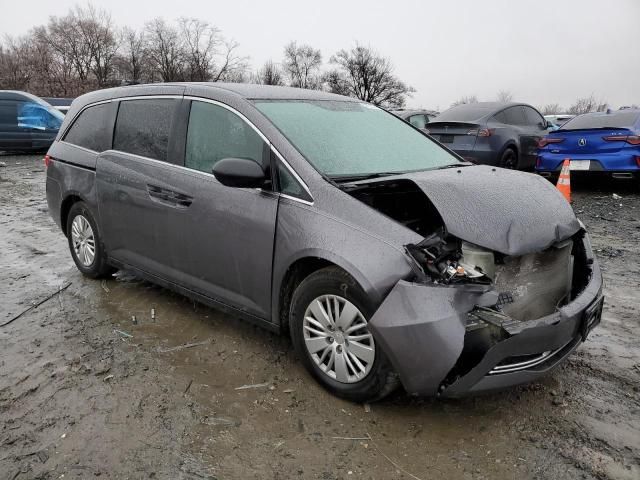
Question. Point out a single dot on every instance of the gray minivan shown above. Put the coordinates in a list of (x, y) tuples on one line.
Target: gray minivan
[(386, 257)]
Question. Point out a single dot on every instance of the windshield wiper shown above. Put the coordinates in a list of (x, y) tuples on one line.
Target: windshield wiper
[(366, 176), (453, 165)]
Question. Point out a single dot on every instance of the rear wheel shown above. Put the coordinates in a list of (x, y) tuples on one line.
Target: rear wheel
[(85, 244), (509, 159), (328, 324)]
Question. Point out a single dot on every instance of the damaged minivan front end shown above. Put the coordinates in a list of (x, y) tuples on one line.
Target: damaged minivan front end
[(504, 285)]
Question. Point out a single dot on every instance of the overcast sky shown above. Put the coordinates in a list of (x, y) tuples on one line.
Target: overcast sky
[(543, 51)]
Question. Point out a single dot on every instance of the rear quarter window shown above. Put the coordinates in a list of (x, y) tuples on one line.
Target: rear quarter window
[(143, 127), (90, 130)]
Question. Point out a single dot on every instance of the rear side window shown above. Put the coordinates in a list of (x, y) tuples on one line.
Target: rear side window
[(500, 117), (514, 116), (90, 129), (143, 127), (9, 114), (533, 118), (215, 133)]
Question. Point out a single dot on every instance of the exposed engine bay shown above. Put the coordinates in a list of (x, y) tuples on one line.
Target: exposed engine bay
[(528, 286), (493, 283)]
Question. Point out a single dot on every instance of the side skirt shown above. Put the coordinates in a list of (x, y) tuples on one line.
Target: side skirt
[(208, 301)]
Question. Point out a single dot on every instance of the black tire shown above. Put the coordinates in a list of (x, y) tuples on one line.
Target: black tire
[(381, 380), (509, 159), (98, 268)]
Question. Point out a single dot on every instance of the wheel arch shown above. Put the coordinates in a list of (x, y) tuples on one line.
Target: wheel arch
[(300, 268), (512, 145), (69, 200)]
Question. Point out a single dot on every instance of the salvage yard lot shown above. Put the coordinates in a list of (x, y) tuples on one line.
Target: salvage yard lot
[(85, 391)]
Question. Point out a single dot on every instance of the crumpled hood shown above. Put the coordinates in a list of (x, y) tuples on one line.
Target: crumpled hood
[(511, 212)]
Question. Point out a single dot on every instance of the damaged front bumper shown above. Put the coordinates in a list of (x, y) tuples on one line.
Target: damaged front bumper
[(442, 340)]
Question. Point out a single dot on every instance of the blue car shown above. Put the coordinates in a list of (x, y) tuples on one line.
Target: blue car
[(594, 142)]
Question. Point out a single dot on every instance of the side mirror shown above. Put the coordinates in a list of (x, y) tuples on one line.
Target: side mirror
[(239, 172)]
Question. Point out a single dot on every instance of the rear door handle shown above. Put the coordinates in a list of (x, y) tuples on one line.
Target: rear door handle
[(169, 197)]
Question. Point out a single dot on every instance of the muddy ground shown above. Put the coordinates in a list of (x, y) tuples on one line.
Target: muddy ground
[(85, 392)]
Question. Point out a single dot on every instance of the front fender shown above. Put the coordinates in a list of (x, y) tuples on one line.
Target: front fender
[(302, 232)]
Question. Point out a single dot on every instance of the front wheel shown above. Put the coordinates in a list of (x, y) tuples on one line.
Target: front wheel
[(328, 324), (85, 244)]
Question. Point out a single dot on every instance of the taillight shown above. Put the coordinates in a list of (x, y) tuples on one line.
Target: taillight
[(480, 132), (538, 161), (543, 142), (47, 160), (638, 161), (631, 139)]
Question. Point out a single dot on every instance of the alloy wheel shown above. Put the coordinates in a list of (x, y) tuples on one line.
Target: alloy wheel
[(337, 339), (83, 240)]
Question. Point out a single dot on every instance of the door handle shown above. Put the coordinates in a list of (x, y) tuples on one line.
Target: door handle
[(169, 197)]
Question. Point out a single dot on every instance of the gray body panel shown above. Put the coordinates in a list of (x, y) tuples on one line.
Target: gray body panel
[(212, 239), (233, 247), (511, 212), (423, 331)]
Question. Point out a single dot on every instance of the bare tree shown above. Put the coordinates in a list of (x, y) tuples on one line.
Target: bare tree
[(364, 74), (165, 50), (551, 109), (98, 34), (200, 42), (336, 81), (588, 104), (269, 74), (64, 36), (238, 76), (132, 62), (504, 96), (56, 72), (464, 100), (232, 66), (15, 72), (302, 65)]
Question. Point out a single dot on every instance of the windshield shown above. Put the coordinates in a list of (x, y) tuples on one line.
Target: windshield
[(353, 138), (624, 119)]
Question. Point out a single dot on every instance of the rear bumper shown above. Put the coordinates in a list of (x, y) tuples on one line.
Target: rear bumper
[(611, 162), (423, 329)]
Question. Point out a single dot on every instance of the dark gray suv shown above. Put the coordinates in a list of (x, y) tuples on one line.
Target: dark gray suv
[(386, 258), (492, 133), (27, 123)]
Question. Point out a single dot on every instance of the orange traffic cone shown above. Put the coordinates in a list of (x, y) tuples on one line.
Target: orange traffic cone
[(564, 180)]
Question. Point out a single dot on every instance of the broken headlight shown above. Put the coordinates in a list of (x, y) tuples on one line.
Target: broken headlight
[(448, 260)]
